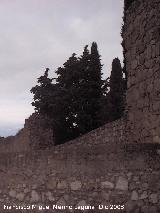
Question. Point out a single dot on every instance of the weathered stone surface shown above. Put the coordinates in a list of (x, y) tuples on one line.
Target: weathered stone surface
[(144, 195), (52, 183), (153, 209), (62, 184), (134, 195), (50, 196), (20, 196), (34, 196), (158, 151), (153, 198), (12, 193), (156, 139), (105, 195), (130, 206), (145, 209), (107, 185), (76, 185), (61, 202), (122, 184), (142, 51), (81, 203)]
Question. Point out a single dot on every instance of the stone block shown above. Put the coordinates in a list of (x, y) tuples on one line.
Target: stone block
[(107, 185), (153, 198), (134, 195), (61, 202), (76, 185), (62, 184), (50, 196), (144, 195), (35, 197), (122, 184), (156, 139), (12, 193), (20, 196), (51, 183)]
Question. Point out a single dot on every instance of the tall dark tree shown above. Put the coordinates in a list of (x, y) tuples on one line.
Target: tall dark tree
[(42, 93), (96, 83), (67, 81), (90, 90), (117, 90), (73, 103), (82, 108)]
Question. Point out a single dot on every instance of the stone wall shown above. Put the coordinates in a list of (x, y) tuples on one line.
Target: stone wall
[(17, 143), (141, 35), (82, 176), (35, 134), (40, 135)]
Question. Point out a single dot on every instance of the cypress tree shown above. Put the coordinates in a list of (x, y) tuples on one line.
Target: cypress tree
[(95, 83), (83, 116), (90, 90), (67, 82), (116, 93)]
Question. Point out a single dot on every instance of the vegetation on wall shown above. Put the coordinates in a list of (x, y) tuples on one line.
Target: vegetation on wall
[(78, 100)]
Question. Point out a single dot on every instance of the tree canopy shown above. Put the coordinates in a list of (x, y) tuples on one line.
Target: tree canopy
[(74, 101)]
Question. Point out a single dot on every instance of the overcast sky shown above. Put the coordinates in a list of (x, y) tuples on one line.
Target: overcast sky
[(35, 34)]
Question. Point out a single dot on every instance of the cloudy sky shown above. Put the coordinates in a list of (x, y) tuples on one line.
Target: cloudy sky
[(35, 34)]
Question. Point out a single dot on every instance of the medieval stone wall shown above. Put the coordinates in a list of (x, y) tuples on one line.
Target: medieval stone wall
[(81, 175), (40, 134), (142, 55), (35, 134)]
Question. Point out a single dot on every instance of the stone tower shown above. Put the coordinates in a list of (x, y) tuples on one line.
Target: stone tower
[(141, 42)]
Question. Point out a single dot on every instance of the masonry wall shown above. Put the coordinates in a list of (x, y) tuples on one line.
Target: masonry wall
[(142, 55), (82, 175), (34, 134), (95, 171)]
